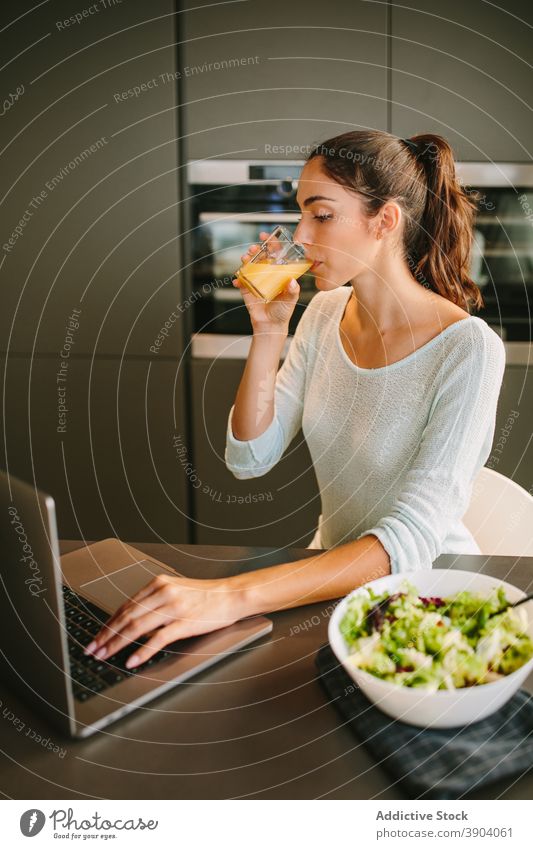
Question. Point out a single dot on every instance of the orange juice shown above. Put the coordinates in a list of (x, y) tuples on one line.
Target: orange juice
[(267, 280)]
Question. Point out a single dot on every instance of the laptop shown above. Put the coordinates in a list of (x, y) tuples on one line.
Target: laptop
[(52, 606)]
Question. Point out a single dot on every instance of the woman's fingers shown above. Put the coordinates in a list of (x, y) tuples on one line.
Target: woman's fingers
[(249, 253), (176, 630), (155, 584), (145, 601), (146, 591), (263, 235), (132, 630), (158, 641), (132, 611), (274, 244)]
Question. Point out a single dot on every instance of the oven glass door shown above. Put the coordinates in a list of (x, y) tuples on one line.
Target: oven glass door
[(502, 262)]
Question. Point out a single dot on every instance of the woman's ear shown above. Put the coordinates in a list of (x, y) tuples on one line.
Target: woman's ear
[(389, 219)]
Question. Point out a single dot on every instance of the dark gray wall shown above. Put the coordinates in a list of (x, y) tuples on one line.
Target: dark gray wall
[(288, 74), (463, 70), (279, 508), (305, 71), (102, 239), (512, 447)]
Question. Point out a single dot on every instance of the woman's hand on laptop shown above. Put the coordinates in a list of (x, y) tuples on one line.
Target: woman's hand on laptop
[(176, 607)]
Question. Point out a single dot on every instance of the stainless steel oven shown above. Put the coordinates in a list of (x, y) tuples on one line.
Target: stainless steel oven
[(232, 200)]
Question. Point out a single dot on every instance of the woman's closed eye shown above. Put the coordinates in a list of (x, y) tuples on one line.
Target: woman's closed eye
[(321, 218)]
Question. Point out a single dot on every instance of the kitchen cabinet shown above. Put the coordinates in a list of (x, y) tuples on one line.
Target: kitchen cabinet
[(279, 508), (265, 84), (462, 70), (512, 449), (267, 81), (92, 189), (101, 442), (90, 179)]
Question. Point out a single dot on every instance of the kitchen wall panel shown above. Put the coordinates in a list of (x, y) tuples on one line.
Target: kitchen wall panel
[(266, 81), (266, 87), (279, 508), (99, 437), (463, 70), (512, 448), (89, 183), (90, 264)]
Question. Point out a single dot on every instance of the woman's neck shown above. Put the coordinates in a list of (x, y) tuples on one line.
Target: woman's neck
[(386, 301)]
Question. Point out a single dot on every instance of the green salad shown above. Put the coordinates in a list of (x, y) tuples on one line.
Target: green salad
[(432, 642)]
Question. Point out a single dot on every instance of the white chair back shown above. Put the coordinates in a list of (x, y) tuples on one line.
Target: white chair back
[(500, 515)]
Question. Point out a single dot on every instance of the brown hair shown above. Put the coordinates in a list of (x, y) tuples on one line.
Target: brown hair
[(419, 173)]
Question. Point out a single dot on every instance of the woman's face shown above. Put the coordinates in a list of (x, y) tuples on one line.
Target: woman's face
[(333, 229)]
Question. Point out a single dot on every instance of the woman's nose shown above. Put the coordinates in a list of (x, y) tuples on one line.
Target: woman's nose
[(300, 233)]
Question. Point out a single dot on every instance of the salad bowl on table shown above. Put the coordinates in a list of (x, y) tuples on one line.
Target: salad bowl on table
[(442, 702)]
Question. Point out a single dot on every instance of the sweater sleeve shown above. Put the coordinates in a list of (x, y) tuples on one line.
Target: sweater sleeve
[(455, 444), (253, 458)]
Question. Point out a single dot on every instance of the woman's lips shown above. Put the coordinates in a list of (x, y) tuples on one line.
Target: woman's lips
[(315, 265)]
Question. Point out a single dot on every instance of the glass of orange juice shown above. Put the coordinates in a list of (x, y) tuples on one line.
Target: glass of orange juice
[(270, 269)]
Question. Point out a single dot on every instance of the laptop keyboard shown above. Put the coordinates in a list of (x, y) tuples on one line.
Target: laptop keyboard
[(91, 675)]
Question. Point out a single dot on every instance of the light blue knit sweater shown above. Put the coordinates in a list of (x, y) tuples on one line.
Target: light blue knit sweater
[(395, 449)]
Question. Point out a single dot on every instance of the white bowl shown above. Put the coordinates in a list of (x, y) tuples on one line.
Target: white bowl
[(444, 708)]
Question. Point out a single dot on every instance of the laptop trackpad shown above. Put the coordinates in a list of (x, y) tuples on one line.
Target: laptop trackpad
[(111, 591)]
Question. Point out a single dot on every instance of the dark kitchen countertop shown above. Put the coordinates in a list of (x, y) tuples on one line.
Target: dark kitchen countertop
[(257, 725)]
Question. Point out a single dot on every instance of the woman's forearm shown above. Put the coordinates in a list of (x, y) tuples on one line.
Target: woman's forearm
[(254, 402), (331, 574), (186, 607)]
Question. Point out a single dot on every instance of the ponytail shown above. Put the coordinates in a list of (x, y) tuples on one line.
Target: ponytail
[(441, 245)]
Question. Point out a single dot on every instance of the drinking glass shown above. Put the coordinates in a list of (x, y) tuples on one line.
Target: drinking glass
[(279, 260)]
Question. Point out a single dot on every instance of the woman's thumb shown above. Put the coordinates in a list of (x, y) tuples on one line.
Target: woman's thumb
[(293, 286)]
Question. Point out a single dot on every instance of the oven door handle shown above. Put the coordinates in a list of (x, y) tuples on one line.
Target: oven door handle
[(249, 217)]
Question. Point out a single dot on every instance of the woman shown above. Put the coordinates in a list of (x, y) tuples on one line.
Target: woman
[(393, 382)]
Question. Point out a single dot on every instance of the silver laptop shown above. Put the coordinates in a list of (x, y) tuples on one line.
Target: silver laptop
[(51, 606)]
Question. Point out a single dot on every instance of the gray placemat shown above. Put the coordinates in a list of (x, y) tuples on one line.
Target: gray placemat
[(435, 763)]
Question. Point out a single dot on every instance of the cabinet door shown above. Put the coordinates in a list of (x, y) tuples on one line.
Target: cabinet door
[(90, 177), (100, 441), (512, 449), (266, 81), (280, 508), (463, 70)]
